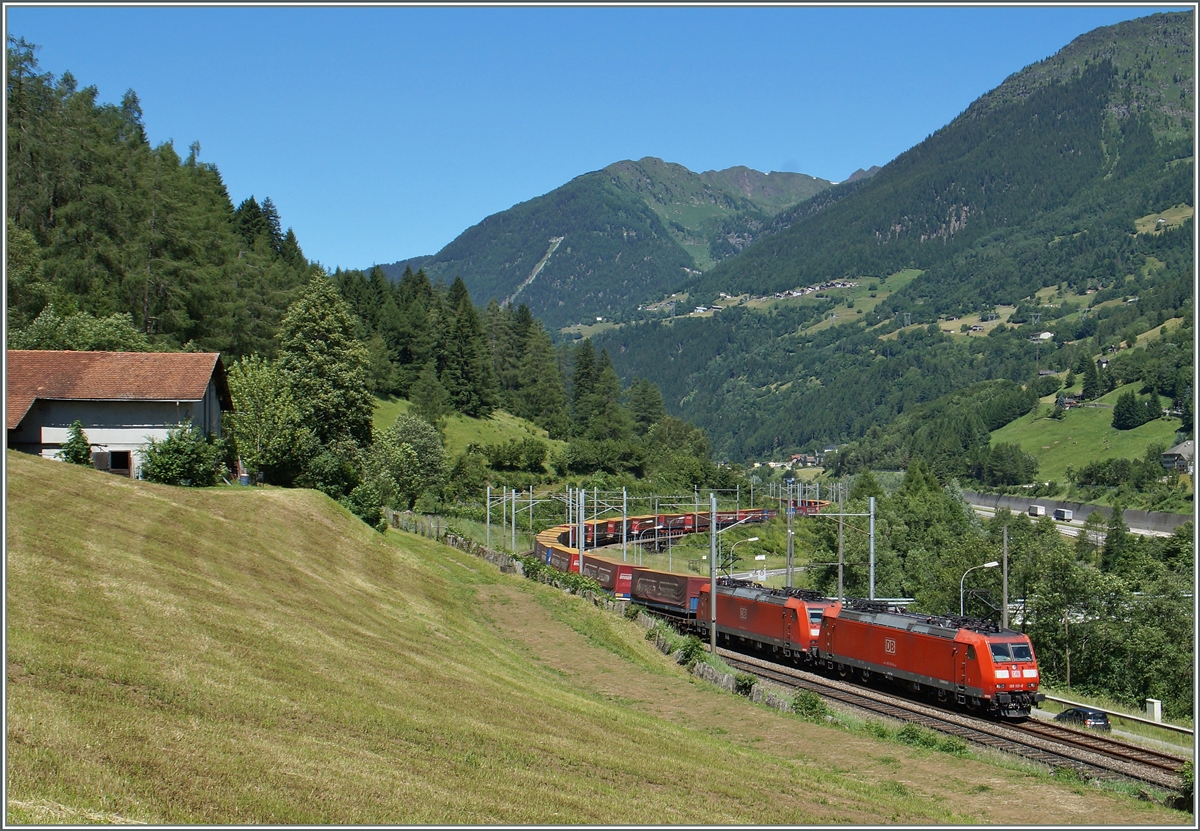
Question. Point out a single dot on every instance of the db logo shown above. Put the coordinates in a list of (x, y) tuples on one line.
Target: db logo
[(742, 612), (889, 646)]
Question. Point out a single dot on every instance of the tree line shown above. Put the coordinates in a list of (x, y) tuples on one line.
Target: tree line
[(1109, 612)]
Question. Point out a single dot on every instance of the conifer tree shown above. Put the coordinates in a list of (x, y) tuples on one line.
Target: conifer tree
[(327, 364), (76, 449)]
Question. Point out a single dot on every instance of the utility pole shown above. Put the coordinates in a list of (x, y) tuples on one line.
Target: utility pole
[(841, 532), (871, 537), (791, 541), (582, 535), (1004, 608), (712, 573)]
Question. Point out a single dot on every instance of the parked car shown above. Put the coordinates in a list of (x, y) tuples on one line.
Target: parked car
[(1085, 717)]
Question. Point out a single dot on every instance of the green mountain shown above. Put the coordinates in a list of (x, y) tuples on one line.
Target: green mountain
[(1036, 183), (1060, 202), (611, 239)]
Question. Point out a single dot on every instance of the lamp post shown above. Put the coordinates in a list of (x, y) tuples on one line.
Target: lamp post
[(735, 545), (639, 540), (962, 586)]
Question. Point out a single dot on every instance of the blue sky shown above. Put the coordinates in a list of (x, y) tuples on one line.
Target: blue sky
[(382, 132)]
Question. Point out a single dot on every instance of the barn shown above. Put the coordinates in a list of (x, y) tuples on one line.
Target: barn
[(123, 399)]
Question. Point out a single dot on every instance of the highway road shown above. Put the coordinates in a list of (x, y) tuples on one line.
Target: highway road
[(1072, 528)]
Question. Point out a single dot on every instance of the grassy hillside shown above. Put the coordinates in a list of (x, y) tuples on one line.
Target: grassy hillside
[(1084, 435), (243, 656), (462, 430)]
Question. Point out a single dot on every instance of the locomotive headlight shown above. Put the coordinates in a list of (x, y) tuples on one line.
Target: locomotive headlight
[(1030, 673), (1002, 673)]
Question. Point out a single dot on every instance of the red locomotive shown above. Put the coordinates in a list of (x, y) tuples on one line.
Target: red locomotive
[(971, 663), (786, 620)]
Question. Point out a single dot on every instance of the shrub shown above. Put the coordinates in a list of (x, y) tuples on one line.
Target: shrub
[(185, 457), (366, 503), (691, 650), (1187, 775), (743, 683), (809, 706)]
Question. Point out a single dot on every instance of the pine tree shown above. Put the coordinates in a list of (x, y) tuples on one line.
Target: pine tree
[(76, 449), (1092, 387), (429, 399), (645, 405), (327, 364)]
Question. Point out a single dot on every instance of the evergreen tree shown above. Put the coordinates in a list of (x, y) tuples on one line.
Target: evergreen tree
[(645, 405), (429, 399), (583, 384), (542, 397), (77, 450), (1092, 385), (468, 376), (327, 365)]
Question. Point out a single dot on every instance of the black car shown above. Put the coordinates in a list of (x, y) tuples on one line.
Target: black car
[(1085, 717)]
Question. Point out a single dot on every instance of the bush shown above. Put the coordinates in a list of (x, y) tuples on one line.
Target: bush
[(809, 706), (743, 683), (366, 503), (185, 457), (691, 650)]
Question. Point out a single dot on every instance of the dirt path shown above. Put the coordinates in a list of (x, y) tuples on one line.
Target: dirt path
[(991, 794)]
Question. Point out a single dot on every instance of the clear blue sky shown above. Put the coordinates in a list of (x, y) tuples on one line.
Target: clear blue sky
[(382, 132)]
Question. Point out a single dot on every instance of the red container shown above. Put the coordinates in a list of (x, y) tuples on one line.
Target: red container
[(675, 594), (613, 576)]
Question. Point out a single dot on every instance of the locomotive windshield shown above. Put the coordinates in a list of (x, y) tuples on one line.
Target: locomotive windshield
[(1011, 652), (815, 615)]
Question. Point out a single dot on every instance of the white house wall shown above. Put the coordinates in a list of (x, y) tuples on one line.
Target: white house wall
[(111, 425)]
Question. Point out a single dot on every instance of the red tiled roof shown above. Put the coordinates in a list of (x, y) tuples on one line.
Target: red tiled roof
[(108, 376)]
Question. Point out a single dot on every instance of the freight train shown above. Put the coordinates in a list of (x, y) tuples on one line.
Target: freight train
[(963, 662)]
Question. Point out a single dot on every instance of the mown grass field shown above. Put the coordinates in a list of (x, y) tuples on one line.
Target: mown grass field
[(258, 656), (1085, 434)]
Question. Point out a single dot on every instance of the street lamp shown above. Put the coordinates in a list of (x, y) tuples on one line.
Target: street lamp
[(962, 586), (638, 539), (735, 545)]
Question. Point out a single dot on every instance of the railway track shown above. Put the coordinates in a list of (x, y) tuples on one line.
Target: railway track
[(1103, 744), (1093, 757)]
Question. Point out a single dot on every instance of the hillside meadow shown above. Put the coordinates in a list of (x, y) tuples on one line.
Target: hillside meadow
[(1085, 434), (258, 656), (462, 430)]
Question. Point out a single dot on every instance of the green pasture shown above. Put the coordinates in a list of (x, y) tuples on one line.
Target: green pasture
[(1084, 434), (462, 430)]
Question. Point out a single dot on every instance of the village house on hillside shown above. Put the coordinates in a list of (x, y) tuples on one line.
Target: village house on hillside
[(123, 399), (1181, 457)]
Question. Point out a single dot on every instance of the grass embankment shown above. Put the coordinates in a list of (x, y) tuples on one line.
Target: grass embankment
[(246, 656)]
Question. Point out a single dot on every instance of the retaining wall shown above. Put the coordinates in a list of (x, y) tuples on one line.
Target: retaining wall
[(1144, 520)]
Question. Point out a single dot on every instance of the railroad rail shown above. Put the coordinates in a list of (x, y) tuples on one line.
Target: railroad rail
[(1104, 760), (1102, 743)]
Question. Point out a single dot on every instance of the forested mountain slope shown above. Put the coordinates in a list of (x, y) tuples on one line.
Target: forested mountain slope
[(1052, 183), (1038, 182), (609, 240), (104, 223)]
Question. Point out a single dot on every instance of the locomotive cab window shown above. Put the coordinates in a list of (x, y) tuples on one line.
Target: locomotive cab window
[(1022, 652), (971, 651), (1000, 652), (814, 616)]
